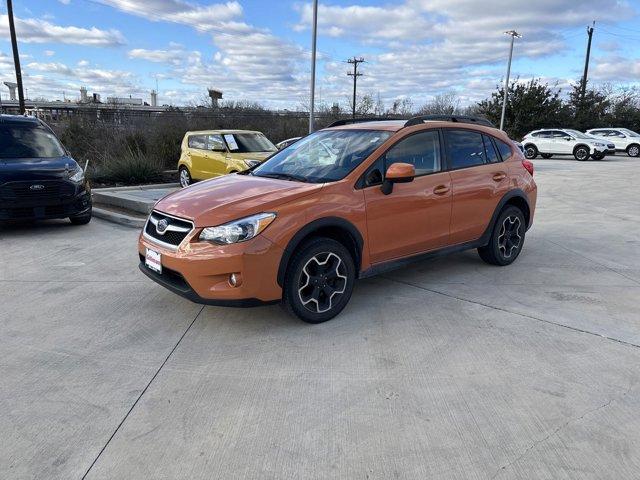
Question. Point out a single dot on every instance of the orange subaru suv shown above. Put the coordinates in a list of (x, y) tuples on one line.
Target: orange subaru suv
[(347, 202)]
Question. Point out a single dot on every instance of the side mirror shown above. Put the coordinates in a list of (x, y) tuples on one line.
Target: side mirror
[(568, 139), (397, 173)]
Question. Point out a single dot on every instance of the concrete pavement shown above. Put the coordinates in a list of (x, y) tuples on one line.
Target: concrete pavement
[(445, 369)]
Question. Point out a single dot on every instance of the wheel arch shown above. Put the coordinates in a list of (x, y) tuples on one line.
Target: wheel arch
[(517, 198), (632, 144), (581, 145), (336, 228)]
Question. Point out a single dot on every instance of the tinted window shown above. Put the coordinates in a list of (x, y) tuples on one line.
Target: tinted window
[(249, 142), (504, 149), (543, 135), (198, 141), (28, 141), (421, 150), (464, 148), (215, 143), (490, 151)]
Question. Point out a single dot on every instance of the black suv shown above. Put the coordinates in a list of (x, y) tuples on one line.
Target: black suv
[(38, 177)]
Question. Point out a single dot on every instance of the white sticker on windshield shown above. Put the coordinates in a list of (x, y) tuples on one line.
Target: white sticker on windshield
[(231, 141), (374, 140)]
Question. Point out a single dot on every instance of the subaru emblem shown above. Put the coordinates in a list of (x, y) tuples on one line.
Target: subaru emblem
[(36, 187), (162, 225)]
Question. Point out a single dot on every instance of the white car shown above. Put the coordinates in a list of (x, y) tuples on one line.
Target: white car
[(564, 141), (624, 139)]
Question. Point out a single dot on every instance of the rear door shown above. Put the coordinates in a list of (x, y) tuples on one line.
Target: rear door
[(415, 216), (479, 180), (564, 142)]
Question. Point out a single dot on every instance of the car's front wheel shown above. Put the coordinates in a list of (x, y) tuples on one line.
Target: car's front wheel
[(581, 154), (81, 219), (185, 177), (319, 280), (507, 238), (633, 150)]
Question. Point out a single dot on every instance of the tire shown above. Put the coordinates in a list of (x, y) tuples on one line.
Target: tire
[(328, 263), (503, 247), (185, 177), (530, 152), (546, 155), (581, 153), (633, 150), (597, 156), (81, 219)]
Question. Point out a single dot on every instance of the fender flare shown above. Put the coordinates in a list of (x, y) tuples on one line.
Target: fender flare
[(581, 145), (510, 195), (310, 228)]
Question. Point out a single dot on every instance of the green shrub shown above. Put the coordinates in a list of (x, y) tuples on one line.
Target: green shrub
[(131, 168)]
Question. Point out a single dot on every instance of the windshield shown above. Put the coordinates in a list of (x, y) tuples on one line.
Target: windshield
[(629, 133), (325, 156), (28, 141), (578, 134), (248, 143)]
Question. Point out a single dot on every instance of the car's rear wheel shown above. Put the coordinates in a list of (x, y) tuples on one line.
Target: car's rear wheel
[(81, 219), (319, 280), (546, 155), (633, 150), (530, 152), (507, 238), (185, 177), (581, 154)]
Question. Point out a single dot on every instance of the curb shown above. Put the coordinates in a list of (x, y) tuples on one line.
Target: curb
[(119, 218)]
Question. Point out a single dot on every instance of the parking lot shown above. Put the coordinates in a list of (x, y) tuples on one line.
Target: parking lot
[(449, 368)]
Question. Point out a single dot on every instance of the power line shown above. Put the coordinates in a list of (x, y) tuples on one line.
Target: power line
[(355, 62)]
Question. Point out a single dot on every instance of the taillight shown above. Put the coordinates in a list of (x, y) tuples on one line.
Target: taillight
[(528, 166)]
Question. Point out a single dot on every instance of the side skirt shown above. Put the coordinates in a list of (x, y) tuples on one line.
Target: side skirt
[(380, 268)]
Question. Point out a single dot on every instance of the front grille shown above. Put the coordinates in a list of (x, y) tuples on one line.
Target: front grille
[(175, 232), (40, 191)]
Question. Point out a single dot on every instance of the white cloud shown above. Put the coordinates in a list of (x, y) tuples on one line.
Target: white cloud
[(174, 55), (201, 17), (49, 53), (32, 30)]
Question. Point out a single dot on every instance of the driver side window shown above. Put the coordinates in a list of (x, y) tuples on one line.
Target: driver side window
[(422, 150)]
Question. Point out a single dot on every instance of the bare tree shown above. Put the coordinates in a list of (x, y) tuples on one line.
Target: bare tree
[(442, 104), (401, 106)]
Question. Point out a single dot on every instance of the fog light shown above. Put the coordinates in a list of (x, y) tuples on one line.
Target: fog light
[(235, 280)]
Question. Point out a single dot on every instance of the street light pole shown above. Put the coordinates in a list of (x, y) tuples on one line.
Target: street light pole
[(314, 37), (513, 35), (16, 56)]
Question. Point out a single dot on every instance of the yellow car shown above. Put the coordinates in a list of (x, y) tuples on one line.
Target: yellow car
[(211, 153)]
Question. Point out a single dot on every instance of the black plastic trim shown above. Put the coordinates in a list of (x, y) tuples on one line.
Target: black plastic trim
[(313, 227), (183, 289)]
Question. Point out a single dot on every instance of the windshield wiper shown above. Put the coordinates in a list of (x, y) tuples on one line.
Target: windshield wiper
[(283, 176)]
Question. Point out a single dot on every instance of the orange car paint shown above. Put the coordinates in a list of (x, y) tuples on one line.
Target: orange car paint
[(431, 212)]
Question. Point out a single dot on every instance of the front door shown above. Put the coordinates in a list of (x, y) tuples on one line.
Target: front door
[(415, 216), (198, 154), (217, 156), (479, 180)]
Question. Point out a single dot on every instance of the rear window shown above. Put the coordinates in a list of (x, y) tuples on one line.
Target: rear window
[(198, 141), (504, 149), (28, 141)]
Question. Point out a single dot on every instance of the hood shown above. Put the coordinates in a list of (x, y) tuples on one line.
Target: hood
[(251, 155), (220, 200), (16, 169)]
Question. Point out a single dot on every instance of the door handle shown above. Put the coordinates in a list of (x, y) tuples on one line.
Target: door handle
[(441, 190), (498, 177)]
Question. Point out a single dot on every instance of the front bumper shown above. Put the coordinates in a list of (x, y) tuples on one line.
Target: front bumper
[(200, 271), (608, 150), (34, 209)]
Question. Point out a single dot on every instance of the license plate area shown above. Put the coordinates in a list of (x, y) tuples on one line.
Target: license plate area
[(153, 260)]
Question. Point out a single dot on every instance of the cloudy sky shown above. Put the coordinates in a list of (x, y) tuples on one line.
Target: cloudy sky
[(259, 50)]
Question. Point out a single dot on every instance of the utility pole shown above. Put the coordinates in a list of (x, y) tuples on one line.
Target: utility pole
[(513, 34), (355, 62), (16, 56), (586, 61), (314, 38)]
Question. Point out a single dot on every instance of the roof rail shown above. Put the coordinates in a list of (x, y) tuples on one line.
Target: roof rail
[(350, 121), (449, 118)]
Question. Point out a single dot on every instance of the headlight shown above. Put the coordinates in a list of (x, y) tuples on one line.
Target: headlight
[(77, 176), (238, 230), (597, 144), (252, 163)]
